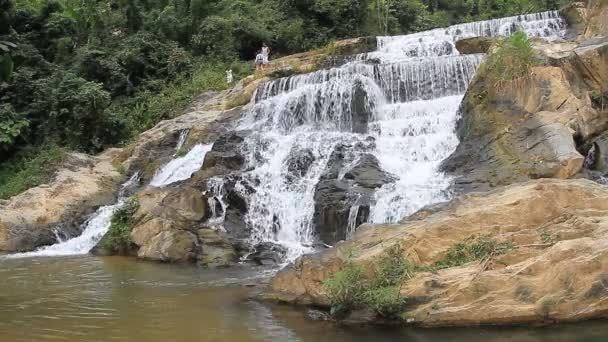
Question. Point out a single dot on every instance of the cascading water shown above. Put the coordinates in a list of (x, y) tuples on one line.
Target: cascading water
[(181, 168), (411, 88)]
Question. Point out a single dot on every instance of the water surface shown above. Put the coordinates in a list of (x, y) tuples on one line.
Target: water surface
[(117, 299)]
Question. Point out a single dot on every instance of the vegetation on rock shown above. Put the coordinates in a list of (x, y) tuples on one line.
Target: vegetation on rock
[(472, 249), (512, 60), (353, 286), (118, 237)]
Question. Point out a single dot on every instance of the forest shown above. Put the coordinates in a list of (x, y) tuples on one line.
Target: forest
[(84, 75)]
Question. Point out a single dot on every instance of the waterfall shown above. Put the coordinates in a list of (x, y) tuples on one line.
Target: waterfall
[(181, 168), (408, 92)]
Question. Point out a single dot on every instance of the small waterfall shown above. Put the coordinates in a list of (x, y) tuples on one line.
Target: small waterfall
[(95, 228), (183, 135), (181, 168)]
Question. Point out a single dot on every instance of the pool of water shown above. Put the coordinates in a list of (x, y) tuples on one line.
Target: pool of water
[(120, 299)]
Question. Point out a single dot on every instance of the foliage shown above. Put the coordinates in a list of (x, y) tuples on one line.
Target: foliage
[(87, 74), (472, 249), (31, 167), (353, 286), (118, 237), (512, 60)]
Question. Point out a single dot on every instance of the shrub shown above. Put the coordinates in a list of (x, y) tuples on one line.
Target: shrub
[(471, 250), (512, 60), (118, 237), (28, 169), (353, 286)]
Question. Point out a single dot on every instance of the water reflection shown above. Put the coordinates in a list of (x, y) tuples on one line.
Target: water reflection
[(115, 299)]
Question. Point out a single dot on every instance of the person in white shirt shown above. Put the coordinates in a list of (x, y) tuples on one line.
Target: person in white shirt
[(265, 54), (259, 61)]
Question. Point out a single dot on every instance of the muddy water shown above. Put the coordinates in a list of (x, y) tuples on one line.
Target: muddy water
[(116, 299)]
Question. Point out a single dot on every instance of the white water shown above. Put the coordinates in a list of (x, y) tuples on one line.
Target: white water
[(414, 95), (181, 168), (94, 230)]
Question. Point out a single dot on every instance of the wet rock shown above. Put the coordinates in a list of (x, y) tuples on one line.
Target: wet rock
[(597, 159), (225, 156), (366, 172), (336, 197), (299, 162), (361, 108), (217, 249), (268, 253), (238, 190), (318, 315), (170, 246), (81, 185), (475, 45), (360, 316)]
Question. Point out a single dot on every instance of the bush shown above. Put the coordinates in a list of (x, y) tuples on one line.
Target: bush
[(512, 60), (118, 237), (353, 287), (28, 169), (471, 250)]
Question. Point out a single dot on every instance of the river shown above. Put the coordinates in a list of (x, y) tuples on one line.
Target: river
[(120, 299)]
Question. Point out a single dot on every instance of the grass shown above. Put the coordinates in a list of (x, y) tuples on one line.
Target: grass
[(512, 61), (118, 237), (472, 249), (31, 168), (150, 108), (354, 287)]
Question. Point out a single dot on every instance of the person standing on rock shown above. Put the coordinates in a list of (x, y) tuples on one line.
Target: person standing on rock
[(265, 55), (259, 61)]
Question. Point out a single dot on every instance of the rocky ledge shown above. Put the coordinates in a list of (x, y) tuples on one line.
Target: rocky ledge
[(554, 270), (35, 217)]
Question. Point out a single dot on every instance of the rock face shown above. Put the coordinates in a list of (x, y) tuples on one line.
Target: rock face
[(166, 224), (557, 270), (587, 19), (532, 128), (347, 184), (28, 220)]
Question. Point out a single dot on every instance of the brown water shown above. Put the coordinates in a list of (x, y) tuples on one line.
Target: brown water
[(117, 299)]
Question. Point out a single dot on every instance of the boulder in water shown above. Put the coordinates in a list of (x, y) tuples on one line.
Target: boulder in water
[(217, 249), (361, 108), (267, 253), (299, 162), (336, 197)]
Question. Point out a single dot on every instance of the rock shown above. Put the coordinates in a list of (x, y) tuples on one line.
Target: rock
[(170, 246), (156, 146), (597, 12), (576, 16), (366, 172), (166, 222), (361, 108), (533, 127), (597, 158), (238, 191), (217, 250), (81, 185), (225, 156), (336, 197), (317, 315), (299, 162), (555, 271), (267, 253), (475, 45)]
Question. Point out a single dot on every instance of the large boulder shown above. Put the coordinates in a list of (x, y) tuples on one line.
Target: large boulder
[(475, 45), (556, 269), (82, 184), (535, 127), (344, 192), (166, 223)]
